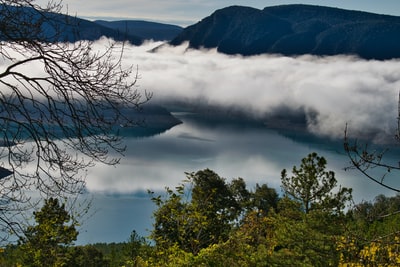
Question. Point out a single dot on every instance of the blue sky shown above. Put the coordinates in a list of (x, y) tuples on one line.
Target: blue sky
[(186, 12)]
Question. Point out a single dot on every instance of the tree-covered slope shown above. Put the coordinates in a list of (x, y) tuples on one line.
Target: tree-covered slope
[(51, 27), (296, 30), (144, 29)]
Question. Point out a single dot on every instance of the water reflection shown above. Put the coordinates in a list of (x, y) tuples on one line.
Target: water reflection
[(253, 152)]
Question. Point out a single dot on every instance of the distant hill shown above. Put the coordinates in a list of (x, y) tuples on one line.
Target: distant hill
[(65, 28), (81, 29), (144, 29), (54, 27), (88, 30), (296, 30)]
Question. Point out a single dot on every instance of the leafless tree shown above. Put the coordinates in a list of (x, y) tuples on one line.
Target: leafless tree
[(60, 106), (371, 161)]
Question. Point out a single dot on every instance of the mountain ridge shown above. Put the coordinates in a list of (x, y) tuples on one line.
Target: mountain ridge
[(58, 27), (296, 30), (146, 30)]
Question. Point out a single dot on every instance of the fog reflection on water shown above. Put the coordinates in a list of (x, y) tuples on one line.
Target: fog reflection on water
[(253, 152)]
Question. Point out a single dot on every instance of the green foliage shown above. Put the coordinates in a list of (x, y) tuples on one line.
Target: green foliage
[(205, 218), (10, 256), (171, 256), (264, 199), (372, 237), (178, 222), (310, 216), (313, 186), (45, 244), (134, 247), (207, 221), (205, 209), (238, 189), (305, 242), (213, 199), (129, 253), (86, 256)]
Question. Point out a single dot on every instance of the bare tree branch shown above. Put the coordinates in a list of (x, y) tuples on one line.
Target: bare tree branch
[(364, 160), (60, 105)]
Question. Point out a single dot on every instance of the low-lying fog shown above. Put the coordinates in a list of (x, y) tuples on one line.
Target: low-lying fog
[(332, 91)]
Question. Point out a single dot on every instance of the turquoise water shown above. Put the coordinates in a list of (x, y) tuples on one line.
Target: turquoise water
[(232, 149)]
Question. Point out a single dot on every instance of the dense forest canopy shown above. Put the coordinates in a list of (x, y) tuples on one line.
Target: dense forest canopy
[(210, 221)]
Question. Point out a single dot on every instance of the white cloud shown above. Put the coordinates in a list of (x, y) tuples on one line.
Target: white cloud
[(332, 90), (153, 163)]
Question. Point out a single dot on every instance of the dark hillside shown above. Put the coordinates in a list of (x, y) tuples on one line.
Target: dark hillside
[(52, 27), (144, 29), (296, 30), (81, 29)]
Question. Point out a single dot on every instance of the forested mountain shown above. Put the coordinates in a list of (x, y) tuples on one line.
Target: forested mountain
[(53, 27), (296, 30), (88, 30), (144, 29), (64, 28), (287, 29), (81, 29)]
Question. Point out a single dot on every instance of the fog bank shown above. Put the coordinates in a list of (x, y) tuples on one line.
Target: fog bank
[(332, 91)]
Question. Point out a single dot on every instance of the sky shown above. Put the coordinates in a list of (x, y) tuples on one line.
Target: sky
[(187, 12)]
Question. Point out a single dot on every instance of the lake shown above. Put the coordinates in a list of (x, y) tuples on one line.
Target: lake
[(232, 149)]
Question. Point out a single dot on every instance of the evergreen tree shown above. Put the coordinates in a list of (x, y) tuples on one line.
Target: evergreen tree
[(313, 186), (46, 243), (311, 215)]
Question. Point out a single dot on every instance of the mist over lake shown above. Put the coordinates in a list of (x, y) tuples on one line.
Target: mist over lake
[(203, 87), (255, 153)]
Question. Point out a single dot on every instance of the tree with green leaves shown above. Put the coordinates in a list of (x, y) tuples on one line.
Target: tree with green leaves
[(46, 242), (206, 220), (313, 186), (135, 249), (213, 198), (310, 216), (373, 233), (374, 226), (201, 211), (86, 256), (264, 199)]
